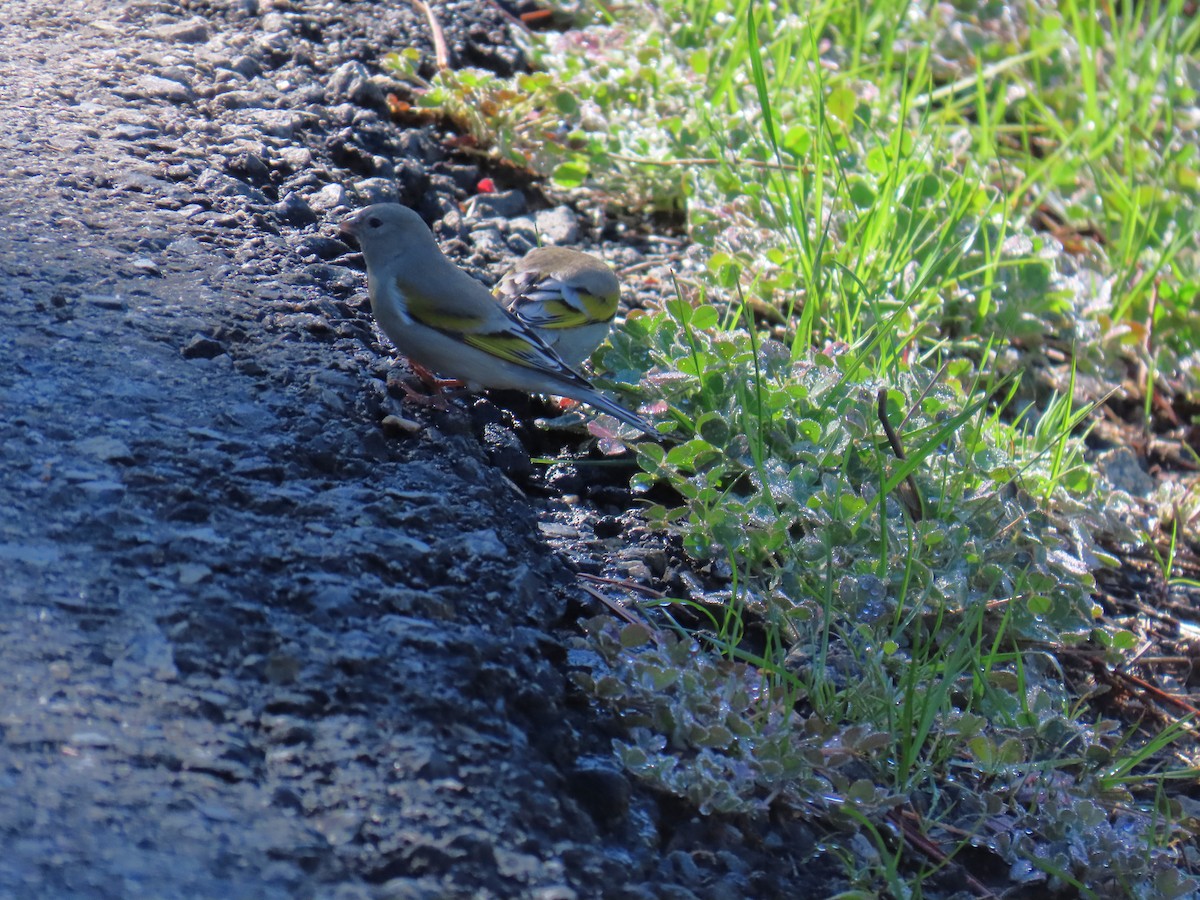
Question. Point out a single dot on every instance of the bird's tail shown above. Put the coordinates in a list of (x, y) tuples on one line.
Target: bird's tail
[(598, 401)]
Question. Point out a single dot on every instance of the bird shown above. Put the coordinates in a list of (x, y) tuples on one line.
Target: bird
[(568, 297), (441, 318)]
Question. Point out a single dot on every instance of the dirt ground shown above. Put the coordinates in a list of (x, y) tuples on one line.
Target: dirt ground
[(252, 644)]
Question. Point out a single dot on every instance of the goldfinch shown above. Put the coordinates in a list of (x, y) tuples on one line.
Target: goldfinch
[(568, 297), (442, 318)]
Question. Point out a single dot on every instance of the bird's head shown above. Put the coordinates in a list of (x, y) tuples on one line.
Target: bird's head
[(386, 230)]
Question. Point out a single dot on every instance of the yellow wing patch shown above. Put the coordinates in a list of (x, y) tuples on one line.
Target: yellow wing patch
[(513, 348), (552, 314)]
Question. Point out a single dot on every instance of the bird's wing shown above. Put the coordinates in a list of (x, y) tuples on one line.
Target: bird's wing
[(519, 345), (550, 303), (464, 310)]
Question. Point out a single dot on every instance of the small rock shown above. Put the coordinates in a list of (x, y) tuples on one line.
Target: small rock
[(564, 479), (399, 426), (337, 279), (503, 204), (321, 247), (1122, 467), (295, 158), (240, 100), (180, 73), (282, 668), (636, 570), (220, 184), (106, 448), (489, 242), (346, 150), (280, 123), (145, 266), (449, 225), (105, 301), (482, 544), (275, 23), (352, 82), (246, 66), (128, 132), (193, 31), (193, 573), (103, 489), (273, 48), (443, 186), (559, 530), (140, 182), (558, 226), (216, 219), (328, 198), (603, 791), (656, 560), (417, 146), (151, 87), (608, 527), (506, 453), (366, 122), (90, 739), (202, 347), (340, 827), (383, 167), (294, 210), (412, 181), (377, 190), (465, 177), (523, 228), (149, 650), (306, 94), (249, 166), (519, 244)]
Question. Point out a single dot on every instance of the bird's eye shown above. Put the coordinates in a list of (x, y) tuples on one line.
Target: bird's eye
[(374, 221)]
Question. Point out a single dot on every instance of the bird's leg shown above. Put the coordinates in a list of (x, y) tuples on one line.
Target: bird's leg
[(440, 390), (414, 397), (433, 382)]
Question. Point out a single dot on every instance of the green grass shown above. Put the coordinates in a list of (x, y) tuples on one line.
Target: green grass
[(944, 209)]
